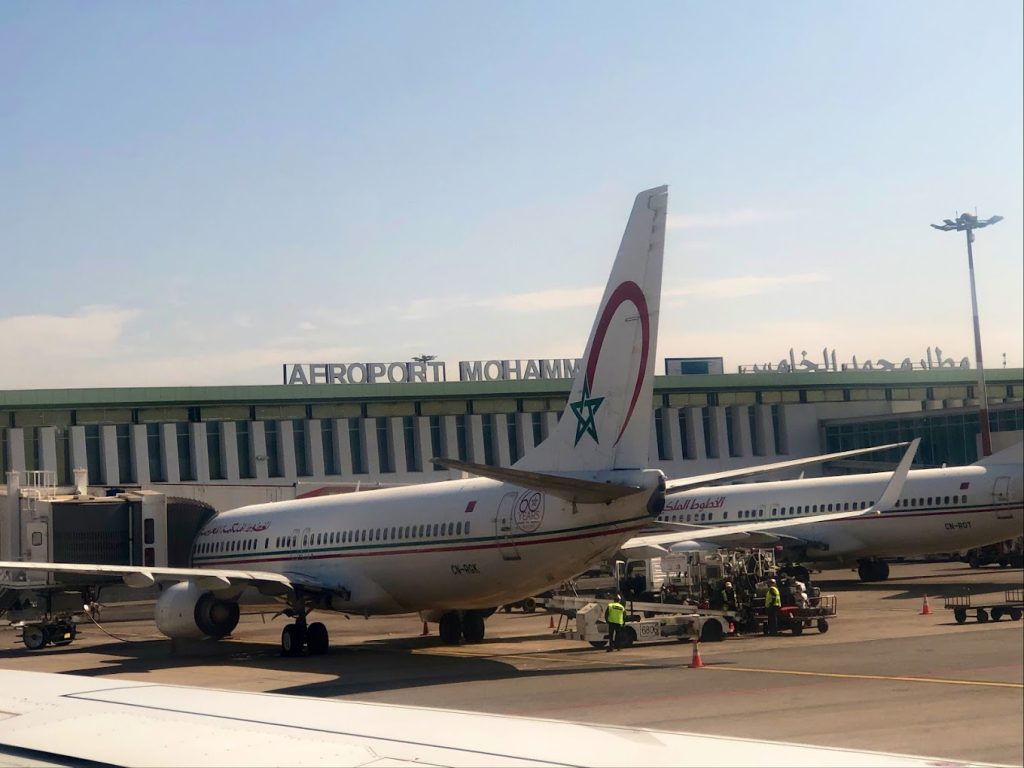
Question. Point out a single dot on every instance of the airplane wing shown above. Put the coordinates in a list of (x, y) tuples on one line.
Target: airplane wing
[(569, 488), (205, 578), (60, 720), (753, 533), (699, 481)]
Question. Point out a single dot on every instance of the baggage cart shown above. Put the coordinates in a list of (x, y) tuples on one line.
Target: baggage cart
[(1011, 605)]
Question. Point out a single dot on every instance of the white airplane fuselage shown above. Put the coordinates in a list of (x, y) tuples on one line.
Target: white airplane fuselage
[(939, 510), (461, 544)]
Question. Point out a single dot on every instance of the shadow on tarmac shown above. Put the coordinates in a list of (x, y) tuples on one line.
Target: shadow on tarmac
[(916, 587)]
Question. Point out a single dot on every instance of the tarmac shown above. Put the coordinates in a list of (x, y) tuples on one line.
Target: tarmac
[(884, 677)]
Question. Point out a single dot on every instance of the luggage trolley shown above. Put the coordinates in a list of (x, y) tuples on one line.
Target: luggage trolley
[(796, 619), (1012, 605)]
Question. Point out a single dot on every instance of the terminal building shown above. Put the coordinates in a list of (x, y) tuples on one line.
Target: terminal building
[(231, 445)]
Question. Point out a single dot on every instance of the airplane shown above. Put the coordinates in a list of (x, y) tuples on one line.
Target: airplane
[(938, 510), (59, 719), (451, 550)]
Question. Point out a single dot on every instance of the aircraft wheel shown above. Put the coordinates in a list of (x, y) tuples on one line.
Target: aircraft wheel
[(450, 628), (317, 639), (291, 640), (33, 636), (473, 627)]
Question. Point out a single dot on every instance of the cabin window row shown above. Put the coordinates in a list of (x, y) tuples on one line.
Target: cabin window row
[(814, 509)]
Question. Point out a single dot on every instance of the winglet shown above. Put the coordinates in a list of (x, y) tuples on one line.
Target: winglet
[(899, 477)]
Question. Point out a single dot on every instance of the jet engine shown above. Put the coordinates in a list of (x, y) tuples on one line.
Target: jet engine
[(185, 611)]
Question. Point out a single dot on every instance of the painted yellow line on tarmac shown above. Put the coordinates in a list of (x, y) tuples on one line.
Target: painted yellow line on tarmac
[(619, 662), (897, 678)]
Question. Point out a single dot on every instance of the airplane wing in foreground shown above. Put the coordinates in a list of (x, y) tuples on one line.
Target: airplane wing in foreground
[(53, 719), (760, 533)]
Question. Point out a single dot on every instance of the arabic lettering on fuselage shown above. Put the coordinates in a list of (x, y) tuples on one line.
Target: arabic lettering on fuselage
[(829, 363), (237, 528), (694, 505)]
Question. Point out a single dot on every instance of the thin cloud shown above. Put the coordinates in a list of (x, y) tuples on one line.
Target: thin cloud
[(554, 299), (743, 285), (740, 218), (91, 331)]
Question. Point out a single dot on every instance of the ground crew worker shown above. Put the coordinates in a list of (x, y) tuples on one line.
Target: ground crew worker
[(615, 615), (773, 605), (728, 597)]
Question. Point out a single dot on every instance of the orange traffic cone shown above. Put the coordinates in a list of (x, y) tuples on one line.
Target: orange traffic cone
[(551, 621), (426, 630), (925, 609), (696, 662)]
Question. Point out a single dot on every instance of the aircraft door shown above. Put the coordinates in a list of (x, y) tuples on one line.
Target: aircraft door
[(38, 541), (1001, 495), (503, 524), (307, 544)]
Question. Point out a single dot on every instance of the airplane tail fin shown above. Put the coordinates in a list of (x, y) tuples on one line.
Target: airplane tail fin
[(606, 423)]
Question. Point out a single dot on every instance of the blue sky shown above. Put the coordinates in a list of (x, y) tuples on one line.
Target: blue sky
[(195, 193)]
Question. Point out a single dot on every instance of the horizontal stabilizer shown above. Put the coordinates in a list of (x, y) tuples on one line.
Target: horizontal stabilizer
[(699, 481), (571, 489)]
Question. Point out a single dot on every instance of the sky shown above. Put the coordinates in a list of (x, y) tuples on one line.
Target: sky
[(193, 193)]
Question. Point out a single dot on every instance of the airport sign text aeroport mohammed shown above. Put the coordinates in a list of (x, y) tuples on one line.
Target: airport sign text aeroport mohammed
[(402, 372)]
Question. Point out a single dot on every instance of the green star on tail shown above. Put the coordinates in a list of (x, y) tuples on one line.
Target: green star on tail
[(585, 423)]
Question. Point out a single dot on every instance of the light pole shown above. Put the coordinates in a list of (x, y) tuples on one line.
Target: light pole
[(965, 222)]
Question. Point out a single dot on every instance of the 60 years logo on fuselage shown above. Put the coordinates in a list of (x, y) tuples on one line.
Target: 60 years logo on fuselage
[(529, 511)]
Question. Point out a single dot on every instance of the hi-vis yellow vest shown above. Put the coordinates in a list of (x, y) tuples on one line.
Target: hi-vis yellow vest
[(772, 597), (615, 613)]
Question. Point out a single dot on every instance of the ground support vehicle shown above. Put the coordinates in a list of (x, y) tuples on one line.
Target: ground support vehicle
[(1011, 605), (795, 618), (61, 631), (1006, 554), (645, 622), (527, 605)]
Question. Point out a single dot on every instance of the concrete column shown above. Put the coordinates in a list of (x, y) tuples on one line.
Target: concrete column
[(500, 435), (315, 448), (169, 443), (524, 432), (48, 449), (286, 447), (342, 448), (258, 435), (450, 435), (673, 440), (79, 454), (741, 438), (764, 441), (200, 451), (548, 424), (396, 437), (229, 451), (108, 455), (371, 451), (140, 453), (421, 442), (475, 438), (694, 436), (719, 436)]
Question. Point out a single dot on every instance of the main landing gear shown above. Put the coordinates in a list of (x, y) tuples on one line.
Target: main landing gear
[(469, 625), (295, 636), (873, 570)]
